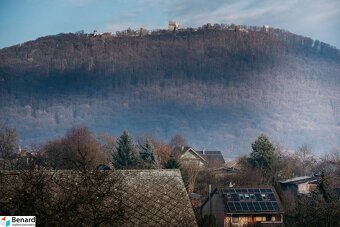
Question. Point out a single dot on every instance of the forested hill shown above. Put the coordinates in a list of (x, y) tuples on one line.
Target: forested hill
[(219, 86)]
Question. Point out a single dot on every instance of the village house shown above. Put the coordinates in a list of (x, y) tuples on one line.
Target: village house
[(229, 168), (210, 159), (244, 206), (188, 156), (303, 185)]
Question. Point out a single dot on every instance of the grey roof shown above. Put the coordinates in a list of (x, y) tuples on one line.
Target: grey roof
[(300, 180), (149, 197), (162, 197), (214, 158), (209, 152)]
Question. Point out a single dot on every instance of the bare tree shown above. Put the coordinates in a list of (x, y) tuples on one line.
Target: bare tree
[(8, 146), (177, 141), (190, 171), (306, 158), (59, 197), (77, 150)]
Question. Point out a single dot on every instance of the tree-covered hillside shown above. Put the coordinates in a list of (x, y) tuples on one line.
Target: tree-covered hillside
[(219, 86)]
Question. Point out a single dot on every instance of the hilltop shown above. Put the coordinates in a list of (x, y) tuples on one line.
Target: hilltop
[(219, 86)]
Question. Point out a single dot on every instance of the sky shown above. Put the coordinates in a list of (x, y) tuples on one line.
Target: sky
[(24, 20)]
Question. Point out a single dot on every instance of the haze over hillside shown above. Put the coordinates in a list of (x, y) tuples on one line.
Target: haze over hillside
[(219, 86)]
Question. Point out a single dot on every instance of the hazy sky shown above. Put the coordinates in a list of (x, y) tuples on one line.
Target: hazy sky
[(23, 20)]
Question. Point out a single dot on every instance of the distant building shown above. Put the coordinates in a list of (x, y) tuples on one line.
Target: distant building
[(189, 156), (300, 185), (209, 159), (214, 158), (143, 31), (266, 28), (173, 25), (244, 206)]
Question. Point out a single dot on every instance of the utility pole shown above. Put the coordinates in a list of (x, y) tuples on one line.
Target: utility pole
[(209, 199)]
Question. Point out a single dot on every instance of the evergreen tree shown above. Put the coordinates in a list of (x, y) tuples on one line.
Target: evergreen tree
[(124, 157), (147, 153), (171, 164), (263, 156)]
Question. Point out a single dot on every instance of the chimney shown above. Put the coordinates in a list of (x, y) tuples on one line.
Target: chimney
[(203, 151)]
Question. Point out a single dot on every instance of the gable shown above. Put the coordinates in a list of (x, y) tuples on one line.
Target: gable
[(191, 155)]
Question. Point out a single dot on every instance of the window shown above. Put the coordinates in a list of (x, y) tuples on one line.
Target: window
[(252, 197), (258, 219), (241, 196), (263, 196), (246, 196), (235, 220)]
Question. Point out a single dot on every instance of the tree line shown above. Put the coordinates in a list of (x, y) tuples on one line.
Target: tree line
[(80, 150), (266, 164)]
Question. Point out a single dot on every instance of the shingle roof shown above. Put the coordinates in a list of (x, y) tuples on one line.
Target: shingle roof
[(251, 200), (148, 197), (162, 198)]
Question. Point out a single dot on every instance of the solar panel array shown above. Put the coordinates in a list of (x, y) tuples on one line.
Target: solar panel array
[(251, 200)]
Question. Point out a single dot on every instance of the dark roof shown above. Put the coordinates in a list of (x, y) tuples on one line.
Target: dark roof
[(251, 200), (210, 152), (214, 158)]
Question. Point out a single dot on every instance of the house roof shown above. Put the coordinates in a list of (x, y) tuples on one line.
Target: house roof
[(235, 164), (300, 180), (190, 149), (162, 197), (149, 197), (251, 200), (214, 158)]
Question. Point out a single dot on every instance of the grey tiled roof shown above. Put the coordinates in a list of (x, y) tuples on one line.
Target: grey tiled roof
[(147, 197), (159, 196)]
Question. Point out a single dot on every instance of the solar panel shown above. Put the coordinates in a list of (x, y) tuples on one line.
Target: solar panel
[(263, 206), (271, 197), (250, 200), (250, 205), (269, 206), (257, 205)]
